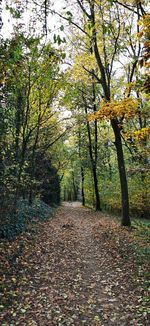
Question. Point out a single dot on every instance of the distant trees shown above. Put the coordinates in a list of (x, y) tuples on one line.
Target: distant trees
[(84, 102)]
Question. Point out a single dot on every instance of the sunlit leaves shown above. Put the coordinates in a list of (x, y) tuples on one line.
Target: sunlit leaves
[(83, 65), (127, 108), (139, 135), (144, 22), (144, 36)]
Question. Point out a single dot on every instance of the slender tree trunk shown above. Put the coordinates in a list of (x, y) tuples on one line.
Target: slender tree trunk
[(122, 173), (75, 190), (94, 168), (82, 170), (32, 173), (19, 159), (20, 169), (25, 137), (82, 186), (18, 126), (2, 169), (110, 171)]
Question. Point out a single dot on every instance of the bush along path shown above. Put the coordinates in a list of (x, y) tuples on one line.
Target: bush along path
[(77, 268)]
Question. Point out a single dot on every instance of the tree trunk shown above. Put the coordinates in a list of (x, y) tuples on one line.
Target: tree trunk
[(20, 169), (82, 170), (18, 126), (94, 167), (82, 186), (118, 143), (97, 197), (94, 171), (75, 190), (2, 169), (122, 174), (32, 173)]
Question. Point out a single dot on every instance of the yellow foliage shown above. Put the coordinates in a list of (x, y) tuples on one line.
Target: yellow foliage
[(82, 62), (98, 2), (126, 108), (147, 64), (144, 22), (141, 134), (144, 33), (129, 87)]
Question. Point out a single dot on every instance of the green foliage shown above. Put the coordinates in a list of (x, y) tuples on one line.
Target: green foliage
[(58, 39), (14, 12), (141, 238), (110, 1), (33, 87), (139, 192), (143, 231), (69, 16), (30, 83)]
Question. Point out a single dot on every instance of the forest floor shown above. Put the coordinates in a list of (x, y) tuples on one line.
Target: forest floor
[(77, 268)]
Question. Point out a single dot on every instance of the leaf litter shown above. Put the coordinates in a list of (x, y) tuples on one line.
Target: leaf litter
[(78, 268)]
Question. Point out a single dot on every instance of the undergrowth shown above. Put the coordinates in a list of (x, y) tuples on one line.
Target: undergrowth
[(142, 246), (25, 213)]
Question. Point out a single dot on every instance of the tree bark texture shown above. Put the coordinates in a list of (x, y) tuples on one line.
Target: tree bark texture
[(122, 174)]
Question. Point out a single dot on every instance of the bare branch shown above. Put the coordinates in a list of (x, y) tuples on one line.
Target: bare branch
[(72, 22), (83, 9), (131, 8), (91, 72)]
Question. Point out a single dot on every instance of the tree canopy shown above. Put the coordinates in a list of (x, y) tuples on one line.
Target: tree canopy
[(75, 105)]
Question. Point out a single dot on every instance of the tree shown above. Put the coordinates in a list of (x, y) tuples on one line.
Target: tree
[(104, 26), (103, 82), (30, 83)]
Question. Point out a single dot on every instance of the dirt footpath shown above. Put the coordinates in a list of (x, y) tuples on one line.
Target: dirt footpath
[(78, 268)]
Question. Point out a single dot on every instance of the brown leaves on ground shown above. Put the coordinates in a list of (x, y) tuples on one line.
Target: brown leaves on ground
[(79, 268)]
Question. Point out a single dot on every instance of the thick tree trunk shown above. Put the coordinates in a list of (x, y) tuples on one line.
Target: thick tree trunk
[(122, 174), (94, 171), (120, 157)]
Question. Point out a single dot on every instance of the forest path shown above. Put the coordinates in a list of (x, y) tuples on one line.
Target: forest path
[(75, 269)]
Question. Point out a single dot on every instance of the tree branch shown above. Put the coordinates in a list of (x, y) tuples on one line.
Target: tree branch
[(126, 6), (83, 9), (72, 22), (91, 72)]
